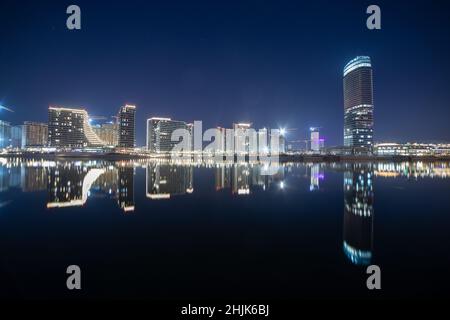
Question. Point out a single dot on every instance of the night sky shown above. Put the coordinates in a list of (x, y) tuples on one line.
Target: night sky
[(273, 63)]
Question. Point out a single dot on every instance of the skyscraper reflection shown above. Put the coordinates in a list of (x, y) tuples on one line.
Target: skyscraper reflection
[(358, 213), (164, 181), (65, 186), (242, 178), (223, 177), (126, 188), (316, 174), (71, 184)]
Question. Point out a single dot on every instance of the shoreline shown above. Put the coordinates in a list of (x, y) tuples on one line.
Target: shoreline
[(282, 158)]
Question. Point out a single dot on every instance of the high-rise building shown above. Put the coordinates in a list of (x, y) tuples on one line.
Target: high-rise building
[(127, 128), (159, 134), (358, 105), (315, 139), (70, 128), (218, 146), (5, 134), (108, 133), (263, 142), (16, 136), (34, 134), (282, 143), (245, 139)]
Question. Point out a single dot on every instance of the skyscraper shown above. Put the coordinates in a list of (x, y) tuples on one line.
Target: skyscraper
[(108, 132), (159, 134), (358, 105), (5, 134), (16, 136), (70, 128), (34, 134), (245, 139), (126, 118), (315, 139)]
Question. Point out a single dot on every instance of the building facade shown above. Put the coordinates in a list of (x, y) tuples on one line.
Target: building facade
[(108, 133), (70, 128), (358, 105), (127, 127), (5, 134), (16, 137), (315, 139), (34, 134), (411, 149), (245, 139), (159, 134)]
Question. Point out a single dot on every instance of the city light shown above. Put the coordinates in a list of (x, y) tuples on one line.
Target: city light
[(2, 107)]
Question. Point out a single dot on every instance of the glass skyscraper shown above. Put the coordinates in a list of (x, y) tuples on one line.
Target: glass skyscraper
[(358, 105)]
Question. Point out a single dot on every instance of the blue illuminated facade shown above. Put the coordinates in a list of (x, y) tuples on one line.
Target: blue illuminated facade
[(358, 105)]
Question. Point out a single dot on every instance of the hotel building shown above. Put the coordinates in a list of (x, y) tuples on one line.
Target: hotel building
[(70, 128)]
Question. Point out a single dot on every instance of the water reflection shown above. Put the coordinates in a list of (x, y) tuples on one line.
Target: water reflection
[(316, 174), (164, 181), (72, 183), (242, 178), (358, 213)]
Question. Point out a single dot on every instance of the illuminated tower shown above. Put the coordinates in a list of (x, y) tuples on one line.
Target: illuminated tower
[(126, 119), (358, 105)]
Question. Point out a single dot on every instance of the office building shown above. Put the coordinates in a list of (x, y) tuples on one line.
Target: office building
[(34, 134), (411, 149), (358, 105), (127, 127), (218, 145), (5, 134), (315, 139), (282, 142), (263, 136), (245, 139), (70, 128), (159, 134), (16, 137), (108, 133)]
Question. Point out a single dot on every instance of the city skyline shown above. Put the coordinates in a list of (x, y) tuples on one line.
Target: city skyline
[(220, 76), (76, 131)]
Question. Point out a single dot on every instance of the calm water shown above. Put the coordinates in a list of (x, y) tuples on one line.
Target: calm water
[(161, 231)]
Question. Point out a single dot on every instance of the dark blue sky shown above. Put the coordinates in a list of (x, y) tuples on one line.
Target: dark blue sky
[(274, 63)]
